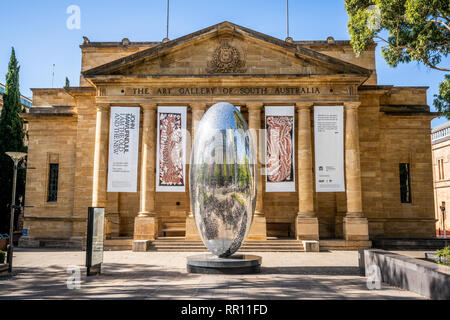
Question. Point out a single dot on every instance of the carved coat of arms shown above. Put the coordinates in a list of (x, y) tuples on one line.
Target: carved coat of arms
[(226, 59)]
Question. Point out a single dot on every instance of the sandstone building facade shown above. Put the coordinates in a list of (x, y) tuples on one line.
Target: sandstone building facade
[(440, 140), (388, 165)]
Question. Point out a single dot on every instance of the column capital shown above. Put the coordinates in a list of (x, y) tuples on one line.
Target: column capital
[(149, 107), (103, 107), (198, 106), (254, 107), (352, 105), (303, 106)]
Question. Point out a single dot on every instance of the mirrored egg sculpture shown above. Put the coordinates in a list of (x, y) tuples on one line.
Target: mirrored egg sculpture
[(223, 179)]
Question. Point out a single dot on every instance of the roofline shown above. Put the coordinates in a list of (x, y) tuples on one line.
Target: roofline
[(295, 48), (440, 127), (97, 44), (412, 87), (109, 44)]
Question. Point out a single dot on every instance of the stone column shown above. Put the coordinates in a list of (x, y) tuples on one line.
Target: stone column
[(99, 179), (198, 109), (355, 225), (306, 222), (341, 209), (146, 222), (258, 230)]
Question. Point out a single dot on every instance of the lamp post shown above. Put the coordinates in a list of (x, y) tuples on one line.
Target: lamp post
[(16, 157)]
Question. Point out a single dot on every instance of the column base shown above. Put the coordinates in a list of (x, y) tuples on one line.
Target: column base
[(311, 245), (338, 227), (29, 242), (141, 245), (145, 228), (355, 228), (306, 228), (258, 230), (112, 225), (191, 229)]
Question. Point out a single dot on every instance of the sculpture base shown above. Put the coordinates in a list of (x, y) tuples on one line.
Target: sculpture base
[(236, 264)]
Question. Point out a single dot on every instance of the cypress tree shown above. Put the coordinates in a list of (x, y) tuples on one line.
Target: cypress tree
[(11, 139), (67, 83)]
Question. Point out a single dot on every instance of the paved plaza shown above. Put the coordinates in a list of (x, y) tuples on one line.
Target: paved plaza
[(43, 274)]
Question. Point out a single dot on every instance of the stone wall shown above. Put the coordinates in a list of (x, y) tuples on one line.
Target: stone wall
[(52, 140), (93, 55), (52, 97)]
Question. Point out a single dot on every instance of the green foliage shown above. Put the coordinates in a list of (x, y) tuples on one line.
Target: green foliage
[(417, 30), (2, 256), (11, 139), (442, 101), (239, 199), (243, 173), (67, 83), (445, 252)]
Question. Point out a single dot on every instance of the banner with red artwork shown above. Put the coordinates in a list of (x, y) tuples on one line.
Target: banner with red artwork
[(171, 150), (280, 146)]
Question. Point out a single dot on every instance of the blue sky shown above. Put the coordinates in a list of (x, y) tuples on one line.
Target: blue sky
[(37, 30)]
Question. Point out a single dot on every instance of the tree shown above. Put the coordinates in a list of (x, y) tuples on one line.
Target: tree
[(417, 30), (67, 83), (11, 139), (442, 100)]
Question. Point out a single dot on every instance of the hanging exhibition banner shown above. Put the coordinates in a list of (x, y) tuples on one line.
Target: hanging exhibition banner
[(171, 150), (329, 148), (123, 149), (280, 145)]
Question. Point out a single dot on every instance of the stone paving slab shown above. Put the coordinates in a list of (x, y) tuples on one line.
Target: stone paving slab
[(42, 274)]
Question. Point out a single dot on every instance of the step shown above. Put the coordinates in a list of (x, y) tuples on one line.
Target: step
[(173, 244)]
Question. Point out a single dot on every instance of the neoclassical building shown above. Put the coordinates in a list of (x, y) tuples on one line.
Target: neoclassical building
[(387, 188)]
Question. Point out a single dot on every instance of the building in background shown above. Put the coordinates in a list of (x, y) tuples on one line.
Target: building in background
[(26, 102), (440, 141)]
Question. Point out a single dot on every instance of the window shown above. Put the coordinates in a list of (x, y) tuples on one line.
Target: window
[(53, 183), (441, 169), (405, 183)]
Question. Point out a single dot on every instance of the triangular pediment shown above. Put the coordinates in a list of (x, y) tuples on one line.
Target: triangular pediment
[(227, 49)]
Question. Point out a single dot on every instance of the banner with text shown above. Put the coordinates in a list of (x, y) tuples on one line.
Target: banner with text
[(171, 150), (280, 145), (329, 148), (123, 149)]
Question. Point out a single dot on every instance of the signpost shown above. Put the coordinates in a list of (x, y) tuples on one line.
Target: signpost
[(94, 241)]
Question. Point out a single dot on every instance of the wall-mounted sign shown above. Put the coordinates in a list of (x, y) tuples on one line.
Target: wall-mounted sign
[(227, 91), (171, 150), (329, 148), (280, 146), (123, 149)]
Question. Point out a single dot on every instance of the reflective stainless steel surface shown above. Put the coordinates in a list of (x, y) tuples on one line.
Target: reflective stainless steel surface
[(223, 179)]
